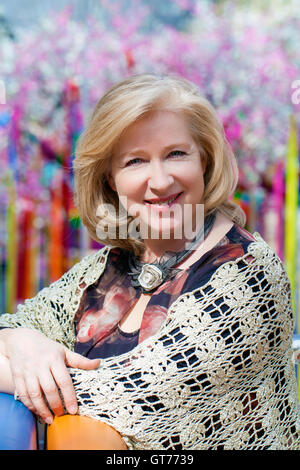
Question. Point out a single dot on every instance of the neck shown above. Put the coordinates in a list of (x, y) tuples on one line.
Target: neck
[(154, 249)]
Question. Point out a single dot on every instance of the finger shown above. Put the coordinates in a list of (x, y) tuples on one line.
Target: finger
[(65, 384), (80, 362), (36, 396), (51, 393), (21, 390)]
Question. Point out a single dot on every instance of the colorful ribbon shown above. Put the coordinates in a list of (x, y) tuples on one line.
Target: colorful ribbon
[(291, 207)]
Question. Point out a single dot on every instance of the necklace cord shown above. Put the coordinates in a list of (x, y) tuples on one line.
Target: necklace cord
[(149, 276)]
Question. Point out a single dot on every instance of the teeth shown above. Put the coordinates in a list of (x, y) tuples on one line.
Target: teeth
[(165, 203)]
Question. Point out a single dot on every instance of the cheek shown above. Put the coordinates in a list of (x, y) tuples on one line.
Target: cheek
[(131, 192), (195, 182), (192, 176), (130, 186)]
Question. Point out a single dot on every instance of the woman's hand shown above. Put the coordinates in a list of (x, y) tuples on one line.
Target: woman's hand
[(39, 370)]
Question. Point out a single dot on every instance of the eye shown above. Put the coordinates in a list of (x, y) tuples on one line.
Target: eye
[(133, 161), (177, 153), (137, 160)]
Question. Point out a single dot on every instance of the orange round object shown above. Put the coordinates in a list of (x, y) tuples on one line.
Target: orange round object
[(73, 432)]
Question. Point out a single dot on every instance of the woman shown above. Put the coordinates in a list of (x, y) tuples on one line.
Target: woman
[(195, 349)]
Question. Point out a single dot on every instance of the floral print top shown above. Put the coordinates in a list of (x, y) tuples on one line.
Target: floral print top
[(104, 304)]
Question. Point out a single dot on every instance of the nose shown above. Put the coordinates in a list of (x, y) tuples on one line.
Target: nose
[(160, 178)]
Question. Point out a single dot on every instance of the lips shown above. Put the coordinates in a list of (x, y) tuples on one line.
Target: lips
[(170, 199)]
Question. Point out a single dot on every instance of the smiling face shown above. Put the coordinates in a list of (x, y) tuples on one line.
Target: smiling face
[(157, 168)]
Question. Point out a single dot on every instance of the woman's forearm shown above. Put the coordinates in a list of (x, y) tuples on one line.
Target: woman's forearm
[(6, 380)]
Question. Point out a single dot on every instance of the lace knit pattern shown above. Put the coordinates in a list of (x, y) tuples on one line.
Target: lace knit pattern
[(219, 374)]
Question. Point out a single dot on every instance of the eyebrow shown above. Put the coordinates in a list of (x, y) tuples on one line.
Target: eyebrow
[(165, 149)]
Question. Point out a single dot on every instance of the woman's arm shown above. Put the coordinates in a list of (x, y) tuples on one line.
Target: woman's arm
[(6, 380), (36, 368), (37, 341)]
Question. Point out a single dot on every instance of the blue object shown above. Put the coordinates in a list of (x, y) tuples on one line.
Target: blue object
[(5, 117), (18, 428)]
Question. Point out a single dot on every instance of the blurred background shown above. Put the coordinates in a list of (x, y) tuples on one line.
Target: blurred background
[(58, 57)]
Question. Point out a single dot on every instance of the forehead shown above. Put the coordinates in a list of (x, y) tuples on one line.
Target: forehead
[(159, 126)]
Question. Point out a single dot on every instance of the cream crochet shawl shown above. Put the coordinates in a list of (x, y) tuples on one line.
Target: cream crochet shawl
[(219, 374)]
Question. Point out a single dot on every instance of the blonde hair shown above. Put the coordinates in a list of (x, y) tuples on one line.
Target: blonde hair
[(121, 106)]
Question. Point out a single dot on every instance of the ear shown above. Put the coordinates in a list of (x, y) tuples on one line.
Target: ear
[(111, 182)]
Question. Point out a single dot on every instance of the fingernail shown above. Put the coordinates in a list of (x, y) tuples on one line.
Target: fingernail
[(49, 420), (72, 409)]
